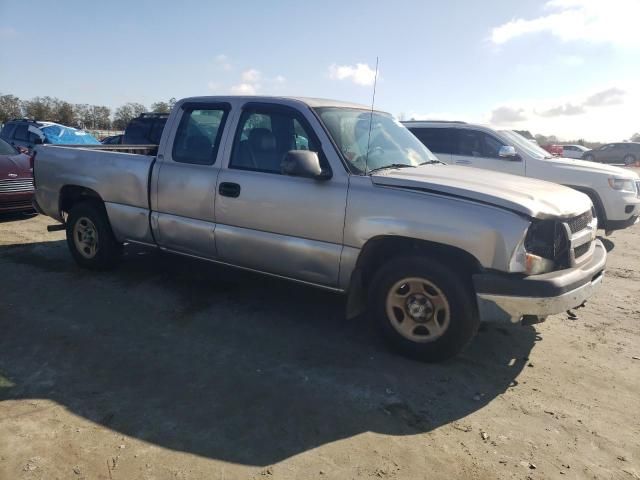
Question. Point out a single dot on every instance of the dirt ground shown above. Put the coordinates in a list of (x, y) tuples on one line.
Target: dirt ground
[(168, 368)]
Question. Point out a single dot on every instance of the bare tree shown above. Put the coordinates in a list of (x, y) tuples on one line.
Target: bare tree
[(64, 113), (160, 107), (40, 108), (10, 107), (163, 107), (126, 113)]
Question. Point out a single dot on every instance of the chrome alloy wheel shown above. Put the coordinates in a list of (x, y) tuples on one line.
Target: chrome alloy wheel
[(85, 237), (418, 309)]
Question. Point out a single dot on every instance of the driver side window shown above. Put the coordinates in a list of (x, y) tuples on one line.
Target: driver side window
[(491, 146), (265, 136)]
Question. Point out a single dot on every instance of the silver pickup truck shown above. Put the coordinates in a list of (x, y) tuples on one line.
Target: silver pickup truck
[(340, 197)]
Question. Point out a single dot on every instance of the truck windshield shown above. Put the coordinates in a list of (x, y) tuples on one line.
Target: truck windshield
[(61, 135), (522, 143), (389, 144)]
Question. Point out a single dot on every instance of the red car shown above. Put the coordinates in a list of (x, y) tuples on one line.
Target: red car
[(16, 180), (556, 150)]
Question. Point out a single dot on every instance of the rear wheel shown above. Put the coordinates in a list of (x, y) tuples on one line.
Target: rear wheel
[(629, 160), (90, 239), (423, 308)]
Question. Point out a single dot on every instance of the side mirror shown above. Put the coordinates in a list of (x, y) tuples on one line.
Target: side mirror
[(303, 163), (508, 152)]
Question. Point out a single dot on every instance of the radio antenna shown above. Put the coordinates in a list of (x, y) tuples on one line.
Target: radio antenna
[(373, 100)]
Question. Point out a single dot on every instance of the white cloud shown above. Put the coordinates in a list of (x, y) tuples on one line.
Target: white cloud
[(607, 114), (596, 21), (507, 115), (360, 73), (279, 79), (571, 60), (244, 89), (223, 62), (567, 109), (251, 76), (610, 96)]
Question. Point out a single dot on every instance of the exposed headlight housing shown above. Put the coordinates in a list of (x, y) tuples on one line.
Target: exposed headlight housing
[(543, 249), (622, 184)]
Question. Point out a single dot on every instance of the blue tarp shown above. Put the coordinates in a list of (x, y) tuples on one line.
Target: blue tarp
[(60, 135)]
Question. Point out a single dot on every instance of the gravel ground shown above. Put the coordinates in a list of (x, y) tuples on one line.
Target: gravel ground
[(168, 368)]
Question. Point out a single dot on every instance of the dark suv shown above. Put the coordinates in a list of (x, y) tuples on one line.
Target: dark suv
[(145, 129), (627, 153)]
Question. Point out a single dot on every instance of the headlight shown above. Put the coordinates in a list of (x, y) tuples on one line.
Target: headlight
[(543, 248), (622, 184), (529, 263)]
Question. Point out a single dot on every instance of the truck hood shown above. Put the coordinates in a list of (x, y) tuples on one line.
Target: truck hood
[(594, 167), (534, 198)]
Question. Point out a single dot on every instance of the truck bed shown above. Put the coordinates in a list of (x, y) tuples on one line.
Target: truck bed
[(120, 180)]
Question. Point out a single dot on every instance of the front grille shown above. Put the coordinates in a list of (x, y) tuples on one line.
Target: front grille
[(16, 186), (26, 204), (580, 222), (581, 250)]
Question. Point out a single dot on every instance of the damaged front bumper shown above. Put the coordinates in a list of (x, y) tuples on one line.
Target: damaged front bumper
[(504, 297)]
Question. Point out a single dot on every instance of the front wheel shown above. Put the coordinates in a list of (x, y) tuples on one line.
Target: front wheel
[(423, 308), (90, 239), (629, 160)]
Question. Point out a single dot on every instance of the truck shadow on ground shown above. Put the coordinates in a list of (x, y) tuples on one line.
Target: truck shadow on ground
[(224, 364)]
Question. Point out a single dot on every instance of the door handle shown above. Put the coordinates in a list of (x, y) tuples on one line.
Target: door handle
[(228, 189), (463, 162)]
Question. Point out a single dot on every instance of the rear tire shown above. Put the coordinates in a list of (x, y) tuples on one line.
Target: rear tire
[(90, 238), (423, 308)]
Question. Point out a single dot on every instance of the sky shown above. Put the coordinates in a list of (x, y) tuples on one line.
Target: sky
[(564, 67)]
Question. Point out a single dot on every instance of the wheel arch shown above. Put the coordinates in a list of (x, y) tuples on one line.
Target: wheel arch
[(380, 249), (71, 195)]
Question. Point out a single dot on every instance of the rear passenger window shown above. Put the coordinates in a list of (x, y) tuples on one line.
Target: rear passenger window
[(21, 133), (438, 140), (469, 143), (156, 130), (198, 136), (138, 130)]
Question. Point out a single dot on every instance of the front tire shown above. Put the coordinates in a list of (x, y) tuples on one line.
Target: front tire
[(629, 160), (90, 238), (423, 308)]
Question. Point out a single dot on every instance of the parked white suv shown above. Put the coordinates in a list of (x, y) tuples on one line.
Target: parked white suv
[(574, 151), (614, 191)]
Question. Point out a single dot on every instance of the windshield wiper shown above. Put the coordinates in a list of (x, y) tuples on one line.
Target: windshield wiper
[(432, 162), (391, 165)]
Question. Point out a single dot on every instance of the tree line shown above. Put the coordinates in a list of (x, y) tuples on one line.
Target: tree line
[(80, 115)]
